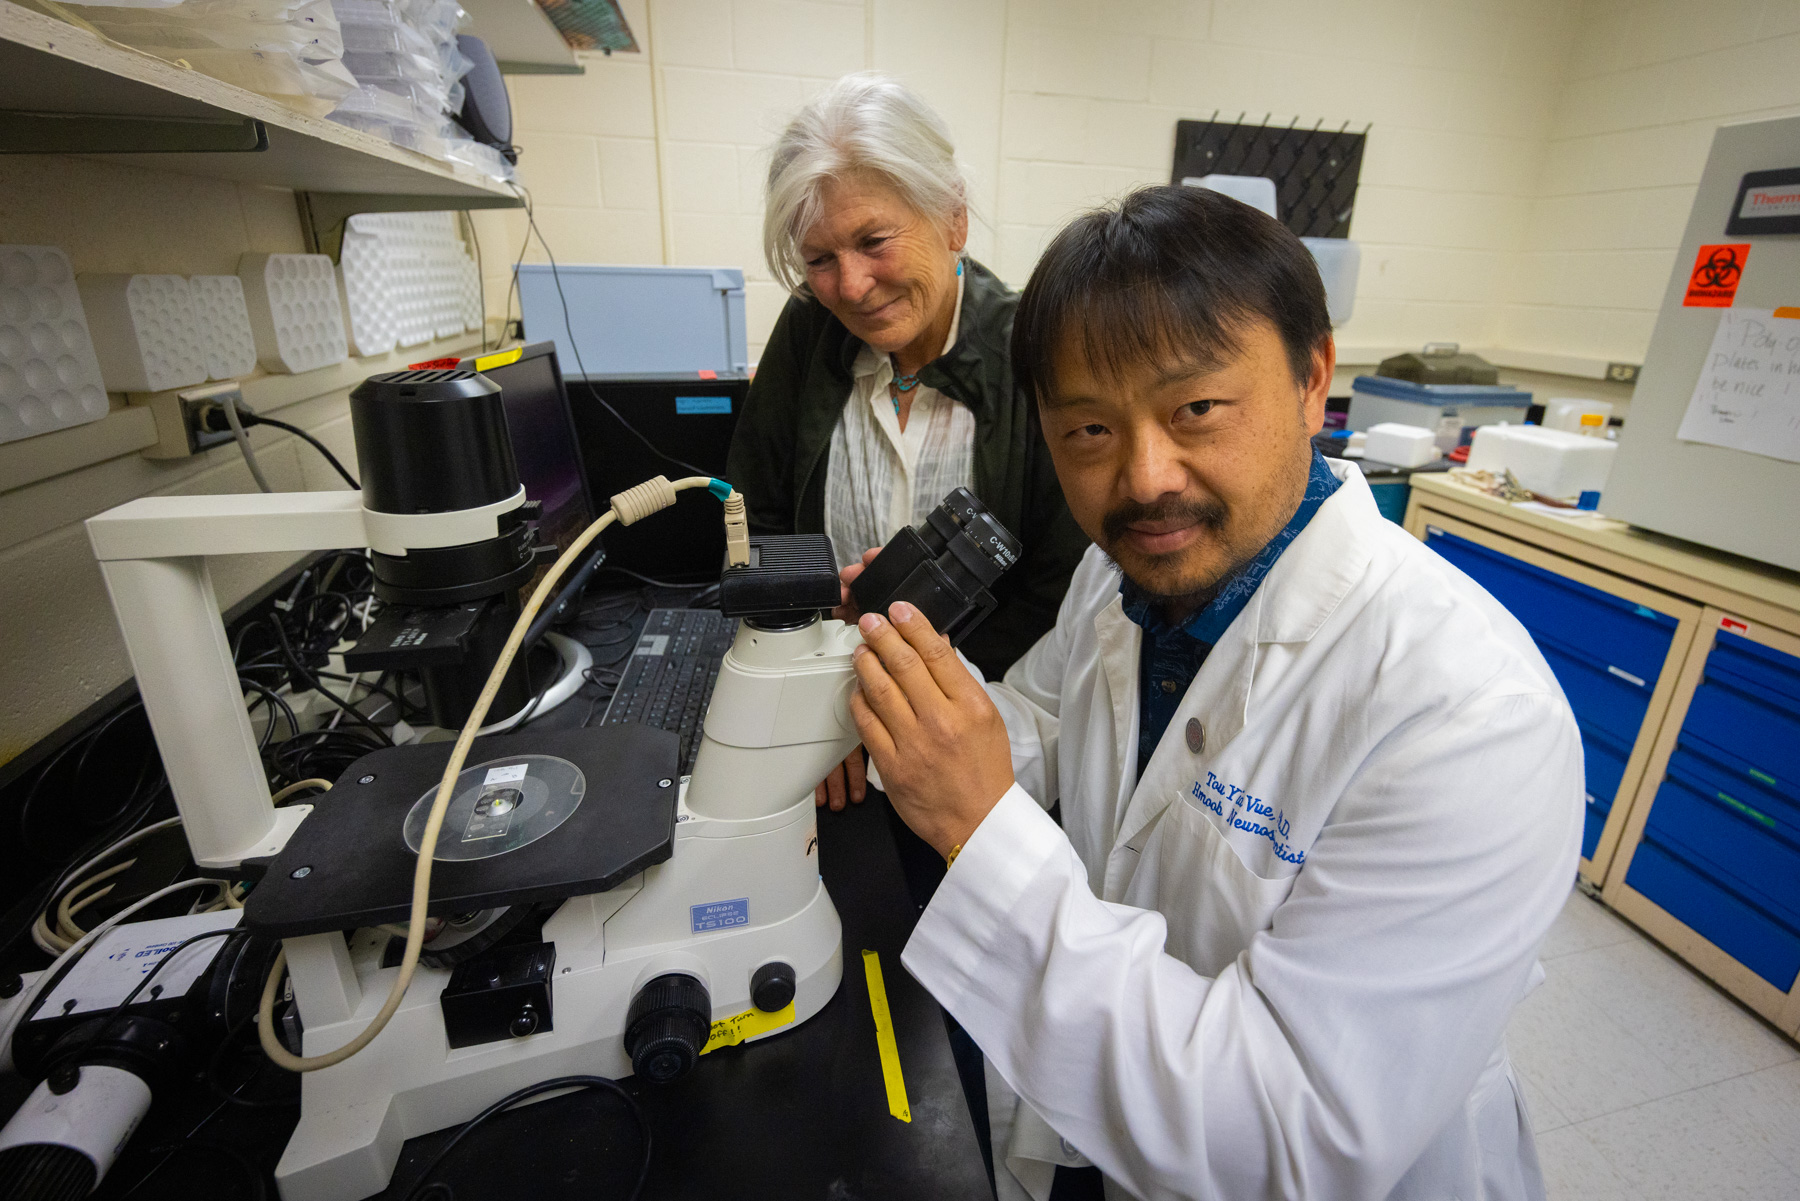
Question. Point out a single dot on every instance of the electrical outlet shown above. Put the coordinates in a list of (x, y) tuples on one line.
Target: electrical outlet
[(180, 431), (1622, 373), (196, 403)]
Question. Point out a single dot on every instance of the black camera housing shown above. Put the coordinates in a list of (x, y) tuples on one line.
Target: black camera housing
[(942, 566)]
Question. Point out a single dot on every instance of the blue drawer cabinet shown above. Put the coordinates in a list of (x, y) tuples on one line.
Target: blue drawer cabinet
[(1719, 850), (1693, 830), (1611, 645)]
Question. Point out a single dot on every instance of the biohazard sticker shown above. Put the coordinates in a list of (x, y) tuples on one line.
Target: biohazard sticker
[(1717, 270)]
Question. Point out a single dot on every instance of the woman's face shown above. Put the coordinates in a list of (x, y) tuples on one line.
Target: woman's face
[(886, 272)]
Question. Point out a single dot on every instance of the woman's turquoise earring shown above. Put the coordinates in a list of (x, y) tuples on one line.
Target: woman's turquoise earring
[(959, 266)]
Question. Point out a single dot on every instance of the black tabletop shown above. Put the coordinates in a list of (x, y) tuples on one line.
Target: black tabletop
[(801, 1115)]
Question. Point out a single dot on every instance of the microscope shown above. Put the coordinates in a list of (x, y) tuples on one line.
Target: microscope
[(675, 915)]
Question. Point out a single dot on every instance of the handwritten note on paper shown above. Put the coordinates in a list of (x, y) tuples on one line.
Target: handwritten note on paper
[(1748, 396)]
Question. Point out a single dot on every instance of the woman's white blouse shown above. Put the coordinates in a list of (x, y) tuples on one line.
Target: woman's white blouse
[(881, 477)]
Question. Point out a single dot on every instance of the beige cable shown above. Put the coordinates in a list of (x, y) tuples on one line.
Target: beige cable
[(68, 907), (47, 939), (631, 505), (297, 785)]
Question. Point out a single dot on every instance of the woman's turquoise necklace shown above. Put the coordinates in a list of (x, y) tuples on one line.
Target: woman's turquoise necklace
[(902, 385), (906, 383)]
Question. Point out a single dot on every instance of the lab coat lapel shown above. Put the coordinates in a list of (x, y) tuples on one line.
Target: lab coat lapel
[(1303, 589), (1120, 640), (1218, 699)]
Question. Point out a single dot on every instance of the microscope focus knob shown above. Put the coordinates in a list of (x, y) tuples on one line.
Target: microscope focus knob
[(667, 1026), (525, 1023), (772, 987)]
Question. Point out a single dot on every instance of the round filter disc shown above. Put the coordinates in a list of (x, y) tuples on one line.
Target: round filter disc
[(500, 806)]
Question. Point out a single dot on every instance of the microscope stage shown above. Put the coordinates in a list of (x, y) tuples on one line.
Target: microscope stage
[(349, 863)]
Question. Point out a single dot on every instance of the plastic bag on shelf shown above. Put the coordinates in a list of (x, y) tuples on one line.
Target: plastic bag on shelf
[(311, 88), (309, 28)]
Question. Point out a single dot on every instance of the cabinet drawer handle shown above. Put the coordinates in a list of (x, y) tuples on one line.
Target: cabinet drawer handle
[(1746, 810)]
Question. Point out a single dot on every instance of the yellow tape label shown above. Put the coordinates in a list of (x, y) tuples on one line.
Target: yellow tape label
[(884, 1038), (729, 1032), (500, 358)]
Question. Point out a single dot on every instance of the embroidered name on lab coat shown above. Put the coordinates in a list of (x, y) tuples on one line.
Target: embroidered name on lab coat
[(1253, 815)]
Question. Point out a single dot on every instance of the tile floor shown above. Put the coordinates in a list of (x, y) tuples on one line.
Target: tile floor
[(1646, 1083)]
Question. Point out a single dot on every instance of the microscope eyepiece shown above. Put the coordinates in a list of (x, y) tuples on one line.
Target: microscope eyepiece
[(943, 566)]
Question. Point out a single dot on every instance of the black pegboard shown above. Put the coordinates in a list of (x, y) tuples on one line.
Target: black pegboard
[(1315, 170)]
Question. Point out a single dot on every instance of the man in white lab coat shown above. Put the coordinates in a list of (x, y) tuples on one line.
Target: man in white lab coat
[(1320, 794)]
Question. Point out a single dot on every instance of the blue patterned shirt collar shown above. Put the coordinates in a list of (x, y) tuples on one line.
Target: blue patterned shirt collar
[(1211, 622)]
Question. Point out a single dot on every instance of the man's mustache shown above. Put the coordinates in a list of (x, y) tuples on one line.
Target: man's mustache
[(1209, 514)]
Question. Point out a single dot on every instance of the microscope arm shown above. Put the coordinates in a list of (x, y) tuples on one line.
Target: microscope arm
[(152, 554), (778, 722)]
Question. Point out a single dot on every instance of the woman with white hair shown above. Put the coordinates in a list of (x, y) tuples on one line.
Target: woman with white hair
[(886, 382)]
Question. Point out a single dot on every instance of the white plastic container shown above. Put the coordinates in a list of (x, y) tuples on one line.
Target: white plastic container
[(49, 375), (1552, 463), (224, 326), (1578, 416), (1257, 191), (144, 330), (1449, 409), (1400, 445), (368, 300), (294, 311), (1340, 262)]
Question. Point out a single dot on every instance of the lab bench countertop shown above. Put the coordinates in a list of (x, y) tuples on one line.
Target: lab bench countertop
[(1756, 590)]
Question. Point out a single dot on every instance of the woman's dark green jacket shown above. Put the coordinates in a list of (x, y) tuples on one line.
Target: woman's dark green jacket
[(778, 455)]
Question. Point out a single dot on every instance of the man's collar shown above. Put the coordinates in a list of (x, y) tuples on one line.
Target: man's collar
[(1211, 622)]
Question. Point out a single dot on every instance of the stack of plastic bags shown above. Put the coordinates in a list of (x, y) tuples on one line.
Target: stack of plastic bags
[(406, 81), (409, 72), (288, 50)]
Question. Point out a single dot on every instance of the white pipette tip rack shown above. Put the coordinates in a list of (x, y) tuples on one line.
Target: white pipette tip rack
[(368, 301), (294, 312), (144, 330), (49, 376), (224, 325), (411, 273)]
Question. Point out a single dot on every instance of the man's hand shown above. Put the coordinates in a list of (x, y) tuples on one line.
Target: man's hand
[(847, 781), (847, 611), (934, 734)]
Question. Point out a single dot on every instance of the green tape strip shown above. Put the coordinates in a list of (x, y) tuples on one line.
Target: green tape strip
[(1747, 811), (1763, 777)]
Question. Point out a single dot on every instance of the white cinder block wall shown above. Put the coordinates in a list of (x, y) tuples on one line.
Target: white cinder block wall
[(1646, 83), (1527, 176)]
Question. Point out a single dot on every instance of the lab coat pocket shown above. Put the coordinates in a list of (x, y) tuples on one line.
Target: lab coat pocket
[(1213, 903)]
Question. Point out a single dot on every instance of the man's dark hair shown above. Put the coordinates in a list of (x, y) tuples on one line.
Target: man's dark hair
[(1168, 272)]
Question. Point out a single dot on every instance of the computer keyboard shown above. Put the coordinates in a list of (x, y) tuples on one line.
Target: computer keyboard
[(669, 678)]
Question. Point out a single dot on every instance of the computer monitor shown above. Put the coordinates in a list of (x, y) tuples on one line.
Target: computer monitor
[(684, 415), (543, 437)]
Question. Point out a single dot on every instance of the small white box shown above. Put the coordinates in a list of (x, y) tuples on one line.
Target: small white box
[(224, 325), (1552, 463), (1400, 445), (49, 377), (1578, 416), (145, 331), (294, 311)]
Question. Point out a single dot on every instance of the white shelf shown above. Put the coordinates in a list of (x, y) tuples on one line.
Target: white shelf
[(48, 66)]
